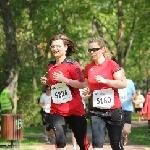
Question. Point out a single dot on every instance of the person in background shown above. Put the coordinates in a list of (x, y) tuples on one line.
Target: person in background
[(146, 111), (138, 103), (45, 104), (66, 78), (43, 121), (127, 96), (6, 101), (104, 77)]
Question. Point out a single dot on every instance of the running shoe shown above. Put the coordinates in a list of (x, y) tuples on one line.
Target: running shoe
[(44, 135), (125, 140), (49, 141), (46, 139), (52, 139), (106, 136)]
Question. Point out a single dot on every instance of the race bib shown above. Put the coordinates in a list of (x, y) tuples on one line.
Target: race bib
[(122, 95), (103, 99), (60, 93)]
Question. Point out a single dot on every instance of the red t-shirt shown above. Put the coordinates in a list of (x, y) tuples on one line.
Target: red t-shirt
[(106, 70), (70, 70)]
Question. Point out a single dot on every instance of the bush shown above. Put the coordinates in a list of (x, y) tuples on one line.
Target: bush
[(31, 113)]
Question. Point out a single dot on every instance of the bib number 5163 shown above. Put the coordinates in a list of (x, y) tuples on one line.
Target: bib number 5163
[(103, 98)]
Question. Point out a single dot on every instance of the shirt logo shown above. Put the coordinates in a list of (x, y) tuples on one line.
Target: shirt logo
[(91, 69)]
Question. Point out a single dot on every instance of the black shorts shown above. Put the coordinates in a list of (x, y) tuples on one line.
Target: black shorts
[(127, 116), (112, 120), (43, 119), (138, 109), (78, 125), (46, 120), (113, 117)]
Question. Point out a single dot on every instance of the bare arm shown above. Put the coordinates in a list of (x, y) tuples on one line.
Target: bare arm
[(74, 83), (118, 82), (41, 105), (133, 97), (86, 92), (58, 76)]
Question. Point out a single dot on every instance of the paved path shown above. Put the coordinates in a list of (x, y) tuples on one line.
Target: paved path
[(130, 146)]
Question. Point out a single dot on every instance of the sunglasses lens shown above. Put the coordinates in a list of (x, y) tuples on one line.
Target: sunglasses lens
[(93, 49)]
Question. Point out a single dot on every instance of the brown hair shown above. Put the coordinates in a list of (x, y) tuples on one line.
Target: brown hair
[(139, 90), (45, 87), (67, 41), (107, 54)]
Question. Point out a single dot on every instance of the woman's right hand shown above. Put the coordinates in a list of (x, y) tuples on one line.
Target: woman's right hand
[(43, 80), (86, 92)]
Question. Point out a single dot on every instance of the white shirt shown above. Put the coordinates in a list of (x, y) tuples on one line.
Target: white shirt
[(46, 100), (82, 98)]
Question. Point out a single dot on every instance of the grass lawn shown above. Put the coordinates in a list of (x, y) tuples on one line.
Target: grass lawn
[(139, 135), (33, 130), (28, 140), (134, 116)]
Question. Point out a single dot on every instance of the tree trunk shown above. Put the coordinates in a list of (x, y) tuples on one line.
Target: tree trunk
[(32, 7), (12, 70), (120, 34)]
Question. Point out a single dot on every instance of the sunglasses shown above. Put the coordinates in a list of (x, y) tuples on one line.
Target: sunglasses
[(93, 49)]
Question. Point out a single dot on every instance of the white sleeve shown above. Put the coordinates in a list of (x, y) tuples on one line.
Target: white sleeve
[(42, 98), (143, 98)]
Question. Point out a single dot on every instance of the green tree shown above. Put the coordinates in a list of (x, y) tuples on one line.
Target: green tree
[(12, 67), (123, 24)]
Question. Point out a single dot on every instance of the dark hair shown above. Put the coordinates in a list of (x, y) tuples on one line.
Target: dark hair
[(47, 86), (67, 41), (7, 83)]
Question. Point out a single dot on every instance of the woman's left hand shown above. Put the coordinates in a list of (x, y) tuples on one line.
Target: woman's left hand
[(58, 76)]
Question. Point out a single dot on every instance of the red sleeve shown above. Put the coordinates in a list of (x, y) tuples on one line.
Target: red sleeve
[(76, 72), (86, 72), (144, 109), (115, 67)]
